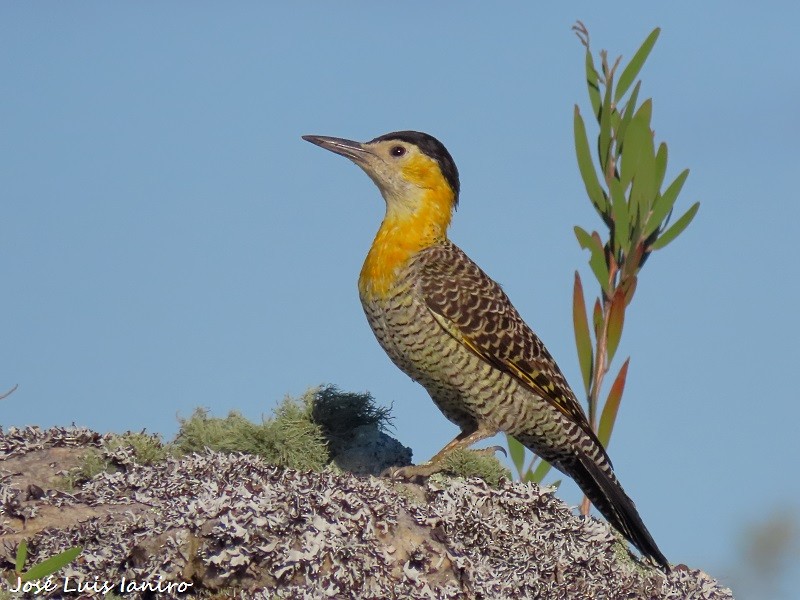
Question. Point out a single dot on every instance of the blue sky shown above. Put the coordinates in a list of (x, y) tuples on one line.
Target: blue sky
[(169, 241)]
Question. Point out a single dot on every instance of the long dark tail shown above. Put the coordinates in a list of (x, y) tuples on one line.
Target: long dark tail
[(610, 499)]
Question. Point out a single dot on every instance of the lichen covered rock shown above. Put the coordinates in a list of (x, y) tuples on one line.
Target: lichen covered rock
[(231, 523)]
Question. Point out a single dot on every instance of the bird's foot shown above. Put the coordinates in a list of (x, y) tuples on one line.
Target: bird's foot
[(425, 470), (412, 472)]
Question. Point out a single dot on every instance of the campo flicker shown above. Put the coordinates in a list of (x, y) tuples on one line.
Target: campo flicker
[(452, 329)]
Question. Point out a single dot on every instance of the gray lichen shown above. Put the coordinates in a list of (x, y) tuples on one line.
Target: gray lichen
[(232, 523)]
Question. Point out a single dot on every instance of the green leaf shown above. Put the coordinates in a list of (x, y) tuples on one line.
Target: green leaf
[(643, 194), (597, 260), (645, 112), (586, 167), (52, 564), (611, 406), (616, 320), (22, 556), (632, 69), (630, 109), (616, 119), (637, 147), (635, 237), (584, 237), (517, 453), (541, 471), (644, 191), (593, 83), (664, 202), (583, 342), (676, 229), (620, 214), (661, 166), (604, 139), (597, 318)]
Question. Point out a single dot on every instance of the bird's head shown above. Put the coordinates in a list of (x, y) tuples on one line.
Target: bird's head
[(414, 172)]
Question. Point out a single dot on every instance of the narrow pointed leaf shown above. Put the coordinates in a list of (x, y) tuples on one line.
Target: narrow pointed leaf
[(638, 156), (661, 166), (584, 237), (541, 471), (631, 71), (583, 341), (620, 215), (630, 288), (52, 564), (22, 556), (588, 174), (597, 260), (610, 408), (632, 147), (616, 119), (517, 453), (643, 194), (616, 320), (677, 228), (604, 139), (597, 318), (643, 191), (636, 233), (664, 203), (630, 110), (645, 111), (593, 83)]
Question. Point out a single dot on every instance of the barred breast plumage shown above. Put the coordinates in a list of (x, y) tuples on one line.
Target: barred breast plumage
[(451, 328)]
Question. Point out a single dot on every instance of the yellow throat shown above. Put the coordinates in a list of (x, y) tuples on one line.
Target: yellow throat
[(410, 225)]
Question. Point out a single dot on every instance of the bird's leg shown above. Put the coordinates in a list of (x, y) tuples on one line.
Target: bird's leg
[(463, 440)]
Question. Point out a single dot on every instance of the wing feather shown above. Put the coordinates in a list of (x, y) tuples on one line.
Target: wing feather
[(473, 308)]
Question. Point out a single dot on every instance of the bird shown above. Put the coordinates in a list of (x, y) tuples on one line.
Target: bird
[(450, 327)]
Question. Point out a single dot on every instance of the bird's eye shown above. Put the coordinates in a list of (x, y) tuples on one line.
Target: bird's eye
[(397, 151)]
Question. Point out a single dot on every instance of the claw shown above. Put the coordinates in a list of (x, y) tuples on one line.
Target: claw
[(410, 473), (498, 449), (490, 451)]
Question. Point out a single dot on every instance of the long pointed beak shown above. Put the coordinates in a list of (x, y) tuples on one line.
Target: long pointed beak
[(352, 150)]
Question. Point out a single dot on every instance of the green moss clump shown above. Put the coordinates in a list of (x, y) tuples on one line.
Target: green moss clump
[(476, 463), (93, 463), (147, 448), (289, 439), (299, 442)]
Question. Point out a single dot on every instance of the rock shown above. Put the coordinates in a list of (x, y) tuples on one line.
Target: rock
[(217, 523)]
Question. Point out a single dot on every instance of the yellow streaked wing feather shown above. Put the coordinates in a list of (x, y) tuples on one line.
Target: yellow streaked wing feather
[(473, 309)]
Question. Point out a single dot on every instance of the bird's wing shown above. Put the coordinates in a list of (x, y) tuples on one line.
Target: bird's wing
[(473, 309)]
